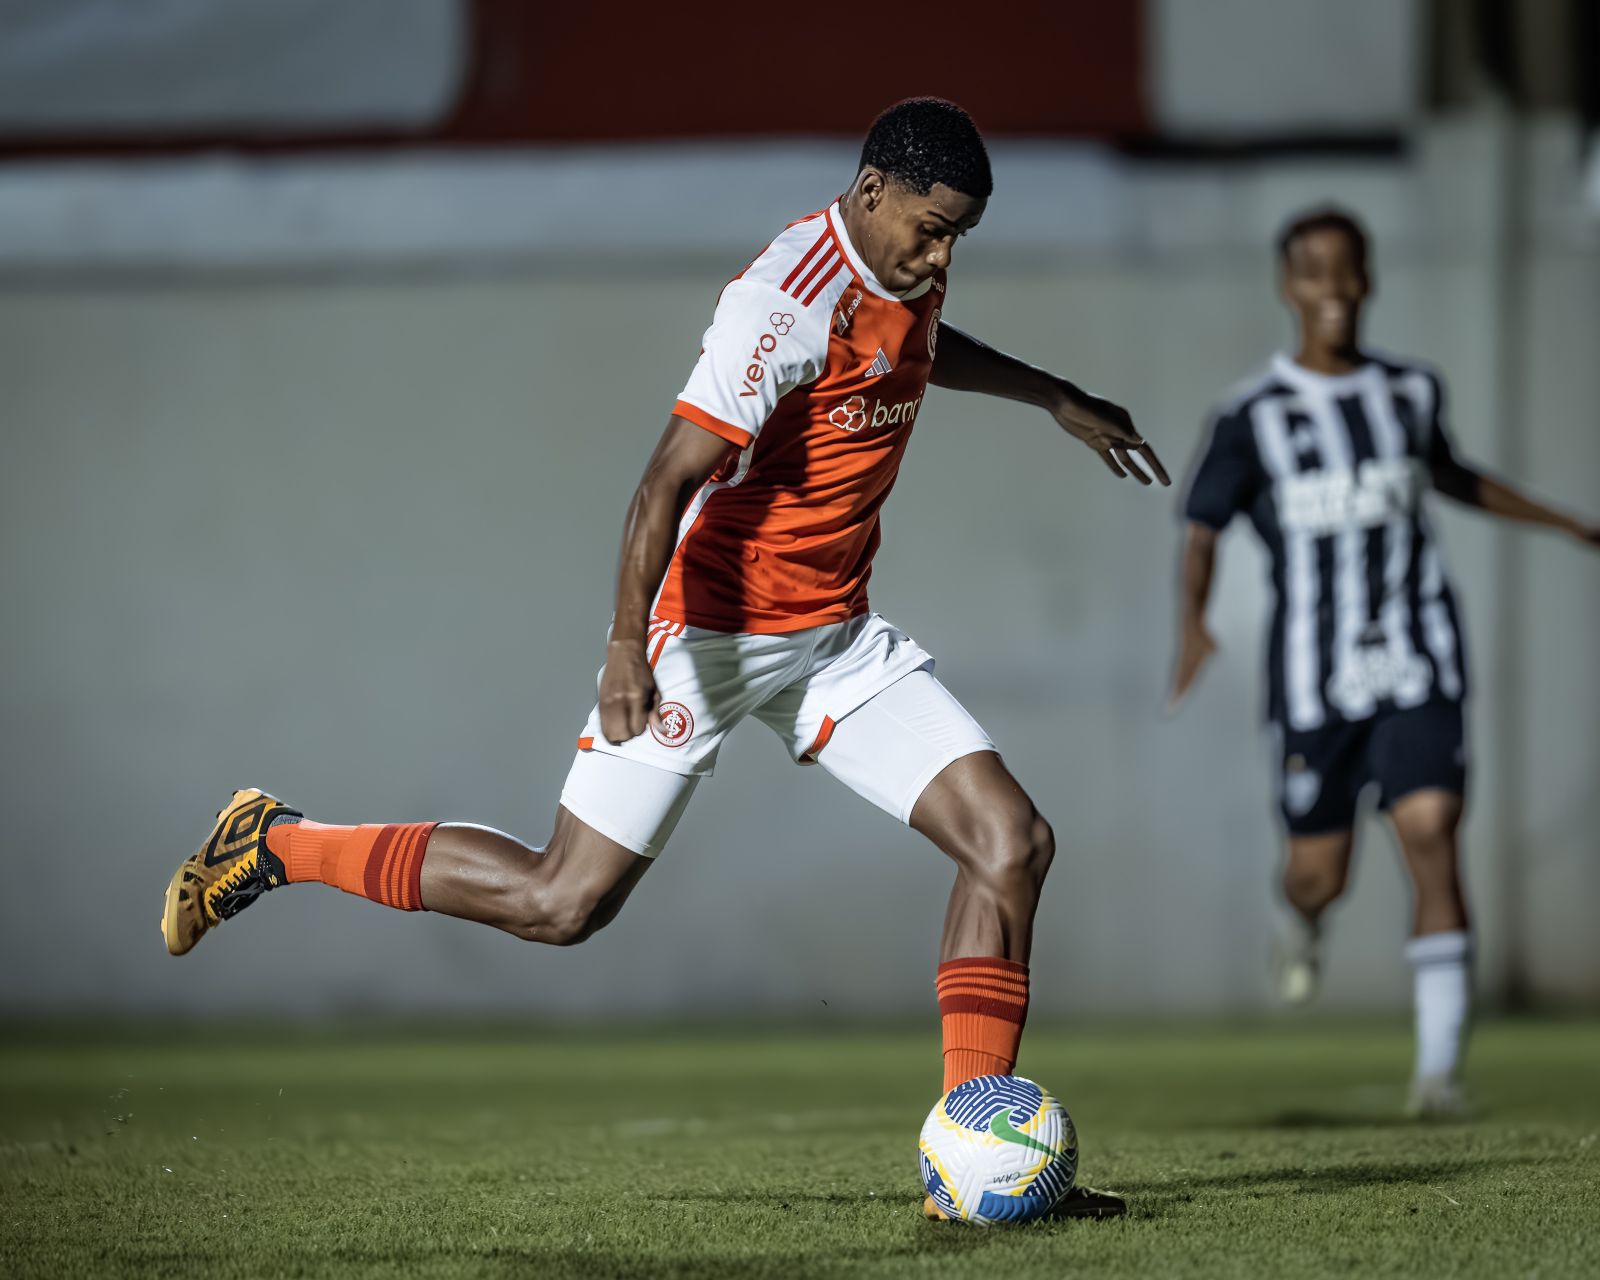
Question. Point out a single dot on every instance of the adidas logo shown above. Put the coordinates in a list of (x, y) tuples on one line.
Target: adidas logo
[(880, 365)]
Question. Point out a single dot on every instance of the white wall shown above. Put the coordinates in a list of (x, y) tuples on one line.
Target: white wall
[(352, 540)]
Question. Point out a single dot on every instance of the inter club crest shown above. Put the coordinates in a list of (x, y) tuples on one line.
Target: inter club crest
[(676, 727)]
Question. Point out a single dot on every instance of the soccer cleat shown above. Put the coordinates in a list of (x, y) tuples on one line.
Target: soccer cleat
[(1080, 1202), (227, 873), (1436, 1098), (1295, 963), (1086, 1202)]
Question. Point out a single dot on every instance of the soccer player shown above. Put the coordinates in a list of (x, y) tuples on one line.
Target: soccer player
[(742, 591), (1329, 453)]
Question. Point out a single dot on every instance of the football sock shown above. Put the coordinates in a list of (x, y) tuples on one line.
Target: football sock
[(383, 863), (1441, 964), (1296, 932), (983, 1002)]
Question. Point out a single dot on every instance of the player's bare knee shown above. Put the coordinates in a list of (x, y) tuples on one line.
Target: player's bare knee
[(1041, 847), (1431, 851), (1310, 887), (556, 918), (1013, 849)]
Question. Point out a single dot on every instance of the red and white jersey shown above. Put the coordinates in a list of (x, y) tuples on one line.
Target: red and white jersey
[(815, 372)]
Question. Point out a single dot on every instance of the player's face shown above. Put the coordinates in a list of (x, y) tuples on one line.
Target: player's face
[(1325, 281), (910, 236)]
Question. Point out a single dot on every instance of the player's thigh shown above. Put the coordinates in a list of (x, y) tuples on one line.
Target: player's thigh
[(1421, 753), (624, 802), (1426, 822), (979, 814), (892, 748)]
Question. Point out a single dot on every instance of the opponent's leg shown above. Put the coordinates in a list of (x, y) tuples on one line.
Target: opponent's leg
[(1440, 949), (1314, 875)]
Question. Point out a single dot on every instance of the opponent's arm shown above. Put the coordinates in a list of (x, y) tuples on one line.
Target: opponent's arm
[(1471, 487), (962, 363), (683, 460), (1195, 644)]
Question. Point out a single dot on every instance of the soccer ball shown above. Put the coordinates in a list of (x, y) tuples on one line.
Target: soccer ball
[(998, 1149)]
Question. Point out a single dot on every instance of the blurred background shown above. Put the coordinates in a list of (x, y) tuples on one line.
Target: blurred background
[(333, 339)]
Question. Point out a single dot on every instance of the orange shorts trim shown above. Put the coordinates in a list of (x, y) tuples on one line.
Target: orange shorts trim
[(823, 734)]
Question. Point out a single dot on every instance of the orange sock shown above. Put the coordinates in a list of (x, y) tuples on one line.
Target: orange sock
[(983, 1002), (383, 863)]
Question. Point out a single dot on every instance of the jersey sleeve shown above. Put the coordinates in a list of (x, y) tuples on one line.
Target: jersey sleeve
[(760, 346), (1228, 473), (1449, 474)]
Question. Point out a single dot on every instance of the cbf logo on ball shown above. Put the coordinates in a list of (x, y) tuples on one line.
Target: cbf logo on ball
[(676, 727)]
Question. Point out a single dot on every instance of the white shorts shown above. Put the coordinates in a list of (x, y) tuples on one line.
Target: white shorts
[(857, 697)]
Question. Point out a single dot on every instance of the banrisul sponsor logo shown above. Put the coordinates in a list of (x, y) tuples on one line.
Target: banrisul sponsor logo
[(853, 414), (889, 415)]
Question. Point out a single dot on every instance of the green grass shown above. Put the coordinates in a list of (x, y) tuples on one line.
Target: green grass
[(1268, 1151)]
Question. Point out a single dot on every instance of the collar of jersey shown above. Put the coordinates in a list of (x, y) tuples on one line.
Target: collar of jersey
[(859, 266), (1297, 374)]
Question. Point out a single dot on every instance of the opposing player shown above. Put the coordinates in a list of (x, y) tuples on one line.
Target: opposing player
[(742, 591), (1329, 454)]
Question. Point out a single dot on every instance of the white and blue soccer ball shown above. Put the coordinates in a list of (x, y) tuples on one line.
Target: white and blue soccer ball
[(998, 1149)]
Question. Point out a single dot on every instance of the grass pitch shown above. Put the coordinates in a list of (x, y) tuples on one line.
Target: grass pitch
[(1266, 1151)]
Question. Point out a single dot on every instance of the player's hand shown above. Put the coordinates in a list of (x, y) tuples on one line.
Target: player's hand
[(628, 694), (1195, 647), (1109, 431), (1586, 532)]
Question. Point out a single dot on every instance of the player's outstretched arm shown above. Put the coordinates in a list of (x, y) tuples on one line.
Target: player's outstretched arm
[(684, 460), (1488, 493), (965, 364), (1195, 644)]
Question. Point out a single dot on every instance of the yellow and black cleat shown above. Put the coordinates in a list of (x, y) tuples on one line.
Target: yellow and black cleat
[(1080, 1202), (227, 873)]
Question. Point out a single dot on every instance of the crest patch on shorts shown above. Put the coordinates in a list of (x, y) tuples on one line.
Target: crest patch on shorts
[(1301, 786), (676, 727)]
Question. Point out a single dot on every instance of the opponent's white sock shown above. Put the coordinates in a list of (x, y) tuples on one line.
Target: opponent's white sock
[(1443, 992)]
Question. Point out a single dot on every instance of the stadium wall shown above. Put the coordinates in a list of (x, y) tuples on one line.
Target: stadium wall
[(349, 534)]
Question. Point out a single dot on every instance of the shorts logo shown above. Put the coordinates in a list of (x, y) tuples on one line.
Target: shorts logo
[(1301, 786), (851, 415), (676, 727)]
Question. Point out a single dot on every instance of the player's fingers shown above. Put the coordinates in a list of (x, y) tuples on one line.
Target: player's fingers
[(1149, 455), (614, 726), (1132, 467), (1105, 456)]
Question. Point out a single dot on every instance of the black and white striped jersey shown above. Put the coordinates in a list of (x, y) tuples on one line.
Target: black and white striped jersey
[(1331, 472)]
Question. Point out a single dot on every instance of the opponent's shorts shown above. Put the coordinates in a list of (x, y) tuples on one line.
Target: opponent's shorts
[(1322, 772), (857, 697)]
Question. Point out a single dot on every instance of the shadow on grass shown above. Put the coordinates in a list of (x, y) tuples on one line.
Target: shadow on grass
[(1311, 1118), (1311, 1180)]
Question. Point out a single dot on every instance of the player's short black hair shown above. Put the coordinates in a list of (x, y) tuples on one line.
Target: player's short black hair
[(1326, 217), (923, 141)]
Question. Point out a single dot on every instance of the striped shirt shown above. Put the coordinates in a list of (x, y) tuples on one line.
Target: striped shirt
[(1331, 473)]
